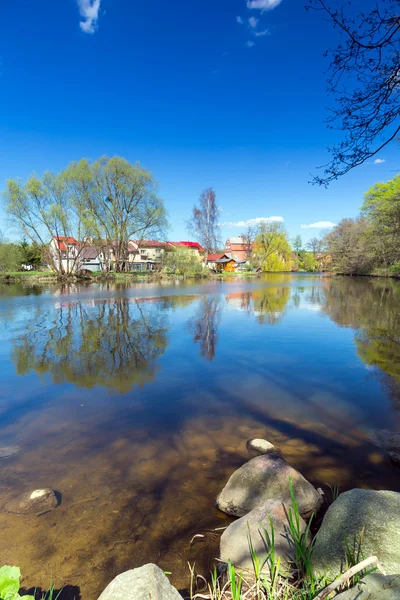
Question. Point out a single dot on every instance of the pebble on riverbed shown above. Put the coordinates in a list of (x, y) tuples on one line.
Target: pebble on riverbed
[(36, 502)]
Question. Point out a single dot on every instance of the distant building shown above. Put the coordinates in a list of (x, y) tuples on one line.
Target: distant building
[(237, 248)]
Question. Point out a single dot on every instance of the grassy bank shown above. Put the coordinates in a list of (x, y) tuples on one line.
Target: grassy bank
[(36, 277)]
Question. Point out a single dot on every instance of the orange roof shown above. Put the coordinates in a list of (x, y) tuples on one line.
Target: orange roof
[(62, 240), (213, 257)]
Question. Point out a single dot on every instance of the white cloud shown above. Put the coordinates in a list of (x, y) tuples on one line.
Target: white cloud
[(379, 161), (319, 225), (250, 44), (252, 222), (89, 10), (258, 33), (239, 20), (263, 4), (253, 22)]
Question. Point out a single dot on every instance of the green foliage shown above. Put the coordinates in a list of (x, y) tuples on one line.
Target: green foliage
[(31, 254), (303, 549), (370, 243), (10, 257), (10, 584), (271, 250), (307, 262), (182, 261), (235, 582)]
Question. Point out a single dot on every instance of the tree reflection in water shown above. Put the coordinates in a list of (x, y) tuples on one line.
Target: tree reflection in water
[(270, 303), (373, 308), (204, 326), (111, 343)]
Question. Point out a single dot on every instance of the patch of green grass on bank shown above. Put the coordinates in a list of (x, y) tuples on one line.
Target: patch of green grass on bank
[(27, 275)]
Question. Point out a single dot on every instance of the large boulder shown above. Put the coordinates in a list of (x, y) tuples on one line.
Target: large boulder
[(144, 583), (366, 515), (36, 502), (374, 587), (235, 539), (265, 478)]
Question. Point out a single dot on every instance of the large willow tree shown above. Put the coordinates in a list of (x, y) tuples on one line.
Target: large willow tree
[(118, 201), (109, 200)]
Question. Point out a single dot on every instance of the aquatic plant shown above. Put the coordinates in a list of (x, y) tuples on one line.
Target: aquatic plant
[(10, 584)]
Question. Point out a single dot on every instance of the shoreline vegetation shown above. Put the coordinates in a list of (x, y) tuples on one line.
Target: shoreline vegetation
[(38, 277)]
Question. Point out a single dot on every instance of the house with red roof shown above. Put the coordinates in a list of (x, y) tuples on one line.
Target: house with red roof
[(64, 252)]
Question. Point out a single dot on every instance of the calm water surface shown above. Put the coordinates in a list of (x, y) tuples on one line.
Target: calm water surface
[(135, 403)]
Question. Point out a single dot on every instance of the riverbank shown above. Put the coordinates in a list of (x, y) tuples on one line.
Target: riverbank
[(37, 277)]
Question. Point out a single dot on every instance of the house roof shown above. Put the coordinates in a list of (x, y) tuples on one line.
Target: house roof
[(90, 252), (150, 244), (214, 257), (188, 245), (64, 241), (225, 260)]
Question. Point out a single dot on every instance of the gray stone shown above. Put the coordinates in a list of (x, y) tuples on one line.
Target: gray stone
[(367, 514), (390, 442), (235, 539), (144, 583), (265, 478), (374, 587), (36, 502), (258, 446)]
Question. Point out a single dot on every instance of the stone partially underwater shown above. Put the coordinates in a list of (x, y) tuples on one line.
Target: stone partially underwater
[(264, 478)]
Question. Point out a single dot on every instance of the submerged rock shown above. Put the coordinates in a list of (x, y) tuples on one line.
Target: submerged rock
[(145, 583), (359, 515), (374, 587), (9, 451), (390, 442), (259, 446), (38, 502), (265, 478), (235, 539)]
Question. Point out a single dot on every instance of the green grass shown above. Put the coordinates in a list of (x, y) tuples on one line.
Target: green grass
[(268, 580), (27, 274)]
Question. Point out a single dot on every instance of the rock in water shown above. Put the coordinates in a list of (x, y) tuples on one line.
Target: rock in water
[(374, 587), (359, 514), (37, 502), (145, 583), (235, 539), (390, 442), (265, 478), (259, 446)]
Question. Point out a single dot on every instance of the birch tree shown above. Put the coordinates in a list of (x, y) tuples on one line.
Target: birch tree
[(203, 223)]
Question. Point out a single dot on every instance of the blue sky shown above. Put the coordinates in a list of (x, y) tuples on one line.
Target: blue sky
[(213, 93)]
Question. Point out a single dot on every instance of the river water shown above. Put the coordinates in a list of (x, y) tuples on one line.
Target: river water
[(135, 403)]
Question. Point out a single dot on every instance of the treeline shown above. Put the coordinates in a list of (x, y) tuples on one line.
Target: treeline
[(369, 244)]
